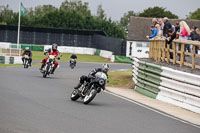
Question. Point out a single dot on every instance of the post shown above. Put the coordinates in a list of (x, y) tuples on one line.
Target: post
[(18, 32), (193, 56), (168, 57), (174, 52), (163, 54), (182, 55)]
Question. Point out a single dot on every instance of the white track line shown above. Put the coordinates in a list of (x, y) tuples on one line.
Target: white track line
[(152, 109)]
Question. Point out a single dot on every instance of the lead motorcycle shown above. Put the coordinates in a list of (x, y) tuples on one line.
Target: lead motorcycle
[(26, 61), (88, 94), (49, 65)]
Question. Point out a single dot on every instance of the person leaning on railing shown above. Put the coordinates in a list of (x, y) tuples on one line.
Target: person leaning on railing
[(155, 31), (172, 36)]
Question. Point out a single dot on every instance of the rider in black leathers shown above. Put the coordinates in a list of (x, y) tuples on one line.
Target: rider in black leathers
[(28, 52), (73, 56), (91, 76)]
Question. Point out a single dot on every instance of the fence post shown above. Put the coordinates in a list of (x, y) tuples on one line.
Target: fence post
[(193, 55), (182, 55), (174, 53), (163, 50), (160, 50), (168, 53)]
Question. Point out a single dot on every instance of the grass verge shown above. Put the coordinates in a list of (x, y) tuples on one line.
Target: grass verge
[(9, 65), (121, 79), (37, 55)]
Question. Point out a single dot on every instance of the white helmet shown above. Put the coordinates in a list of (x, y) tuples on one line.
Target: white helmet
[(27, 48), (105, 67)]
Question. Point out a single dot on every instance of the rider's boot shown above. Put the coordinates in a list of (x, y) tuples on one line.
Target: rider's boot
[(78, 86), (42, 67), (52, 72)]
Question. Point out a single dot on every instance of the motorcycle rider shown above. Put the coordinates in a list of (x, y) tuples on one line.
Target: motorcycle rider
[(73, 56), (91, 75), (28, 52), (52, 51)]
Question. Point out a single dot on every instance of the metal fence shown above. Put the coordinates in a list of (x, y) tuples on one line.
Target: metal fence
[(63, 37)]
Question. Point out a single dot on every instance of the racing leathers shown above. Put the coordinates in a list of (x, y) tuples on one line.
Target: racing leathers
[(89, 78), (29, 53)]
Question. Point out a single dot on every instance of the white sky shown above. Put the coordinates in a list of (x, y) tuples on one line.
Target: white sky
[(116, 8)]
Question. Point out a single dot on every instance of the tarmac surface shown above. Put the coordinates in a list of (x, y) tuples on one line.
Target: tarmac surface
[(30, 103), (164, 108)]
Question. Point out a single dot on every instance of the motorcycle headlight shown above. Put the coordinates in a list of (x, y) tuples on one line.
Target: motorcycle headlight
[(101, 82)]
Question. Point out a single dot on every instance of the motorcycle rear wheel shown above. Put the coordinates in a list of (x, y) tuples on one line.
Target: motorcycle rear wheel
[(90, 96)]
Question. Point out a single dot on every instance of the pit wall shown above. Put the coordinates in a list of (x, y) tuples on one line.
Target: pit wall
[(168, 85)]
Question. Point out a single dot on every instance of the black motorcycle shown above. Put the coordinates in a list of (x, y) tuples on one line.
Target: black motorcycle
[(72, 63), (26, 61), (88, 94), (49, 65)]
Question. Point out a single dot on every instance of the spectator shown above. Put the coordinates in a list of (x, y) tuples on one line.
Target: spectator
[(167, 26), (160, 21), (172, 36), (177, 27), (154, 21), (195, 37), (184, 33), (159, 34), (154, 33)]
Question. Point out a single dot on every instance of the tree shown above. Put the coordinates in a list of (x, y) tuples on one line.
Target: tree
[(100, 12), (125, 20), (194, 15), (6, 15), (157, 12)]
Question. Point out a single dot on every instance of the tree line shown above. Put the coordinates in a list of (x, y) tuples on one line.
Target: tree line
[(76, 15)]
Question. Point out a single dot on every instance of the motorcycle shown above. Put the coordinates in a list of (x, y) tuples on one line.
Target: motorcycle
[(26, 61), (49, 65), (88, 94), (72, 63)]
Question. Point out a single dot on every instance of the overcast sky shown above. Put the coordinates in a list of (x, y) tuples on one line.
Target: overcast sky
[(116, 8)]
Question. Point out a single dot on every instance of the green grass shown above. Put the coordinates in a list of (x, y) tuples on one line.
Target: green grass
[(122, 79), (9, 65), (37, 55)]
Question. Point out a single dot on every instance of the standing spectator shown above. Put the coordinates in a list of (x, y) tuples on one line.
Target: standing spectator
[(177, 27), (154, 33), (167, 26), (184, 33), (154, 21), (161, 23), (195, 37)]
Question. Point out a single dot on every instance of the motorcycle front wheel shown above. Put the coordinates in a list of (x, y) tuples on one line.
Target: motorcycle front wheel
[(45, 71), (26, 64), (75, 95), (90, 96)]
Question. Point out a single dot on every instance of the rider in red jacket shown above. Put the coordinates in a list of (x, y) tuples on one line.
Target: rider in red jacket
[(54, 51)]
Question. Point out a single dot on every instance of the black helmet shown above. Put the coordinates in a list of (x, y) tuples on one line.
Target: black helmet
[(54, 47), (105, 67)]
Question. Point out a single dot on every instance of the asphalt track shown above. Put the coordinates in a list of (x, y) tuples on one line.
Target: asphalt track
[(31, 104)]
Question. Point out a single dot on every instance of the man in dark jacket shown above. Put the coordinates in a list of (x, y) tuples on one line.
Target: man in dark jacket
[(195, 37), (172, 36), (167, 26)]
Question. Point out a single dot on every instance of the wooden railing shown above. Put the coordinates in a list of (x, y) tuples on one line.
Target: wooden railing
[(160, 51)]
